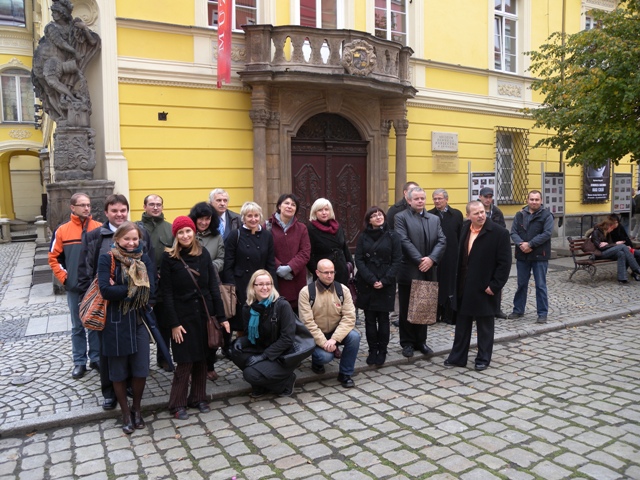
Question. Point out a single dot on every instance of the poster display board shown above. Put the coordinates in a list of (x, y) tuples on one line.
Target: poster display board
[(622, 192), (479, 180), (596, 183), (553, 192)]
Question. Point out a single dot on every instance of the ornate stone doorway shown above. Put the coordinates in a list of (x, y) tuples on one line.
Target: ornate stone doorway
[(329, 159)]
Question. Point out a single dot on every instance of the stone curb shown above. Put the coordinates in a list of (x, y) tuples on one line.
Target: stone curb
[(87, 414)]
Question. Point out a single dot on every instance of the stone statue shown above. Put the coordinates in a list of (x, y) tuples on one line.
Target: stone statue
[(59, 63)]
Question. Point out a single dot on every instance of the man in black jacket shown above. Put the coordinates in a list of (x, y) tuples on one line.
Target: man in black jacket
[(484, 262), (95, 243), (531, 232), (219, 200), (423, 245), (400, 206)]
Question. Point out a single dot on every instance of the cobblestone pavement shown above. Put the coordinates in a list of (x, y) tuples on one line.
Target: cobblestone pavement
[(564, 404), (46, 396)]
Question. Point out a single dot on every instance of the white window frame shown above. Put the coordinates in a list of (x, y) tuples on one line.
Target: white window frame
[(13, 73), (500, 18), (296, 16), (14, 22), (233, 16), (388, 14)]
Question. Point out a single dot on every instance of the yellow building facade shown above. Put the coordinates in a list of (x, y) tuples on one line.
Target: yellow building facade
[(164, 127)]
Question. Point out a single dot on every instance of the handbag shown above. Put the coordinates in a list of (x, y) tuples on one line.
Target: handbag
[(229, 297), (351, 283), (423, 302), (303, 342), (93, 307), (215, 339)]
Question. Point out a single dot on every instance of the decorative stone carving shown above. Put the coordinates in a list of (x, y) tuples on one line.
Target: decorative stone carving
[(385, 127), (59, 63), (87, 11), (238, 54), (510, 90), (19, 133), (259, 117), (401, 126), (358, 58)]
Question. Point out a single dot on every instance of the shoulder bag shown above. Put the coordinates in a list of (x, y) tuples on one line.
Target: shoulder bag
[(215, 339), (93, 307), (303, 342)]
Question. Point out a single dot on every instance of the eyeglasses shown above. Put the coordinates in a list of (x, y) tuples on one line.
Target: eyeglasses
[(332, 272), (154, 205), (262, 285), (83, 205)]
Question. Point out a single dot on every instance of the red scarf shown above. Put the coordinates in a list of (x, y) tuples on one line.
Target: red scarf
[(330, 227)]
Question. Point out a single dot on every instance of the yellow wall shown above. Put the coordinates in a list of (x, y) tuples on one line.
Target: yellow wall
[(180, 12), (206, 142), (156, 45)]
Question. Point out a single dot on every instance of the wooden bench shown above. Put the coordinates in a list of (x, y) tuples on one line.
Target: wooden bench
[(584, 260)]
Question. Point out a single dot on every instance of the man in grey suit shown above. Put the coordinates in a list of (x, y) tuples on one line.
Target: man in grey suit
[(423, 245), (219, 200)]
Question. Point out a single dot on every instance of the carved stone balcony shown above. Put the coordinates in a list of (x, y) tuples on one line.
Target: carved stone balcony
[(291, 54)]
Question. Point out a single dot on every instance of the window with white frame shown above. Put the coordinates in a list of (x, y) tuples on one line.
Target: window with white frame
[(245, 12), (391, 20), (512, 164), (505, 35), (12, 13), (17, 96), (319, 13)]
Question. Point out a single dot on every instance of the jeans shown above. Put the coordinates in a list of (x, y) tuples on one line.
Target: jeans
[(79, 334), (351, 345), (524, 268), (625, 257)]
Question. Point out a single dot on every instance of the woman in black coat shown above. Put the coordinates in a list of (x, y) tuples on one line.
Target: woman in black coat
[(257, 353), (378, 257), (186, 315), (328, 241), (246, 250)]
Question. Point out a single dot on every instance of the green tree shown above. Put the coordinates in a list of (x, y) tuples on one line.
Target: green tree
[(591, 85)]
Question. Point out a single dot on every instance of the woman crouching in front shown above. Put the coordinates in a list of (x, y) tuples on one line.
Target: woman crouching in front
[(257, 353), (125, 338), (188, 282)]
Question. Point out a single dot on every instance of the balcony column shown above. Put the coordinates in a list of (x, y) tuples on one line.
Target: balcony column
[(401, 126), (260, 117)]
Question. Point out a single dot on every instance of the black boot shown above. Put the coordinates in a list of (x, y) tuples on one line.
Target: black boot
[(371, 359), (381, 357)]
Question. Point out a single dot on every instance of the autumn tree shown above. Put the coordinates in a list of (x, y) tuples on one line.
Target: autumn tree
[(591, 88)]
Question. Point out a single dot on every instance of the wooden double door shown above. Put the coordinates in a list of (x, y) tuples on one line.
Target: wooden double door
[(329, 159)]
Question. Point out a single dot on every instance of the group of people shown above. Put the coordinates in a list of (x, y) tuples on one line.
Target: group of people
[(176, 270)]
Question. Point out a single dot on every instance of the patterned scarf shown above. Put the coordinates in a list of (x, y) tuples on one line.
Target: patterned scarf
[(257, 308), (135, 273)]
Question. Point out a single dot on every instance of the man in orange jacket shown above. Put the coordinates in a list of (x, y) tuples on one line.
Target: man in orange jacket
[(64, 259)]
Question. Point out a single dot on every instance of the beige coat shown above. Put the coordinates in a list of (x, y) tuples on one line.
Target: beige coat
[(328, 315)]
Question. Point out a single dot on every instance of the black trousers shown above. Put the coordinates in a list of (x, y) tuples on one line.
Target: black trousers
[(377, 330), (464, 326), (105, 382), (410, 335), (268, 374)]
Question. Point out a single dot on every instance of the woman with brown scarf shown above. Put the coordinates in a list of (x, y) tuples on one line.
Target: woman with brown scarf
[(125, 338)]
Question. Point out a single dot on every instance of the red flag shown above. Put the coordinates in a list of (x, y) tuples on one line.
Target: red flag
[(224, 41)]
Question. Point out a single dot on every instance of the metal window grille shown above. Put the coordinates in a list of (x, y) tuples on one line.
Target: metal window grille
[(512, 165)]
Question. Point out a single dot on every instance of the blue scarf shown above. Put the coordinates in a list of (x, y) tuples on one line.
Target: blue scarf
[(254, 320)]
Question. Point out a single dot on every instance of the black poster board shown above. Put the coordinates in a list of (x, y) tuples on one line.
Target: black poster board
[(596, 183)]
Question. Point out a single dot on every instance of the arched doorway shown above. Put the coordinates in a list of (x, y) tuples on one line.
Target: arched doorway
[(329, 159)]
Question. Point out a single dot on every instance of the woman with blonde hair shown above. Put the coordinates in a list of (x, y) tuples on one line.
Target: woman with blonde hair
[(247, 249), (270, 326), (328, 240), (190, 290)]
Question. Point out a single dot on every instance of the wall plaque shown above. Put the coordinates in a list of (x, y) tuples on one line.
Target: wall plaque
[(444, 142), (445, 162)]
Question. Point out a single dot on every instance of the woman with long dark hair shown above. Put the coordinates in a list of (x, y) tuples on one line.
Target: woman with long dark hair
[(291, 247), (125, 338), (378, 257), (186, 314)]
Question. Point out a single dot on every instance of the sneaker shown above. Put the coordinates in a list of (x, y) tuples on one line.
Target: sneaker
[(407, 351), (513, 315), (202, 406), (180, 413), (258, 392), (542, 319), (318, 369), (346, 381)]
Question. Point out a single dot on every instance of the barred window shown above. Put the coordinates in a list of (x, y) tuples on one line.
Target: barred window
[(512, 165)]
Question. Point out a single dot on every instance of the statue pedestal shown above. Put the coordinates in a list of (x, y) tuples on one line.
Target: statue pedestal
[(59, 194), (74, 153)]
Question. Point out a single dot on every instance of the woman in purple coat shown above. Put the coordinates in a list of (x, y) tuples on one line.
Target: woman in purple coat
[(291, 246)]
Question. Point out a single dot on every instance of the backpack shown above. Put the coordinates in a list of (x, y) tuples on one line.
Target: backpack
[(312, 292)]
